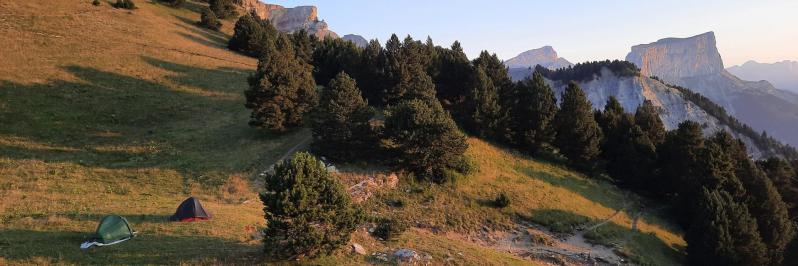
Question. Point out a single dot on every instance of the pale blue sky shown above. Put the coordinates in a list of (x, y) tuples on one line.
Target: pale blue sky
[(765, 31)]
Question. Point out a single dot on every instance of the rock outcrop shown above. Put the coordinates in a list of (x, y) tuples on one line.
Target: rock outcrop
[(289, 19), (356, 39), (633, 91), (544, 56), (783, 75), (695, 63)]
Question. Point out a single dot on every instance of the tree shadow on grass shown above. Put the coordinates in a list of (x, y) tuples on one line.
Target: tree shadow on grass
[(20, 246), (590, 189), (110, 120)]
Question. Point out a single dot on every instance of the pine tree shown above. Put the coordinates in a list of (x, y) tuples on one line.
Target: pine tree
[(304, 44), (223, 8), (578, 134), (647, 118), (282, 90), (723, 232), (341, 130), (427, 140), (307, 210), (252, 36), (332, 56), (615, 135), (534, 114), (371, 77), (634, 157), (453, 75), (678, 158), (483, 105), (209, 20), (785, 180)]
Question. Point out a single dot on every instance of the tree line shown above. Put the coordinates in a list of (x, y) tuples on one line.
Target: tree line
[(405, 104)]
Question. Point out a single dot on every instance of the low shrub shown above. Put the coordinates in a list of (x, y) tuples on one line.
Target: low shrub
[(174, 3), (209, 20), (96, 3), (502, 200), (125, 4), (390, 228)]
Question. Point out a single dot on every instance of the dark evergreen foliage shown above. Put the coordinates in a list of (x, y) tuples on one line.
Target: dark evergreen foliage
[(647, 118), (483, 108), (723, 232), (223, 8), (390, 228), (308, 211), (125, 4), (209, 20), (341, 129), (174, 3), (588, 70), (533, 114), (578, 134), (333, 56), (452, 75), (252, 36), (785, 180), (502, 200), (282, 90), (426, 138)]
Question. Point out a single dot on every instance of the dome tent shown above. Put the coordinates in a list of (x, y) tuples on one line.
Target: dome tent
[(189, 211), (113, 229)]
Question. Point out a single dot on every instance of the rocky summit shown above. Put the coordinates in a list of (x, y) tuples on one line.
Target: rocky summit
[(695, 63), (356, 39), (544, 56), (289, 19)]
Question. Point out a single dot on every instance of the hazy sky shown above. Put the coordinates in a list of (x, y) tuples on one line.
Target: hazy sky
[(765, 31)]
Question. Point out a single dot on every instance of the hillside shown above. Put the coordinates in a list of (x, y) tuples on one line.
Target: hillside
[(128, 112)]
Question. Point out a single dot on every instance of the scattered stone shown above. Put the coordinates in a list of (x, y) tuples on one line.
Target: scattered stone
[(357, 248), (406, 255)]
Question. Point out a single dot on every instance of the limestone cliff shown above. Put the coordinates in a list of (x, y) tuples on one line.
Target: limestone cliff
[(633, 91), (695, 63), (289, 19), (544, 56)]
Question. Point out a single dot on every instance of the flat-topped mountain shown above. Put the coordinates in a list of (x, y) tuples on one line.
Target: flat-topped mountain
[(289, 19), (695, 63), (544, 56), (783, 75)]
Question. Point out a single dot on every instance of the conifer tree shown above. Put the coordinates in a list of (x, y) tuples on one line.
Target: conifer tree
[(209, 20), (647, 118), (483, 105), (578, 134), (371, 77), (223, 8), (282, 90), (427, 140), (308, 211), (332, 56), (723, 232), (341, 130), (634, 157), (678, 157), (533, 114), (453, 75), (304, 44), (785, 180), (252, 36)]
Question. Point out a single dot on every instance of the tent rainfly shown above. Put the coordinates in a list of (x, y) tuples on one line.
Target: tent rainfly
[(189, 211), (113, 229)]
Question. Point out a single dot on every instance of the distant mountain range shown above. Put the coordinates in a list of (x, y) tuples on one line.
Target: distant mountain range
[(783, 75), (521, 65), (695, 63)]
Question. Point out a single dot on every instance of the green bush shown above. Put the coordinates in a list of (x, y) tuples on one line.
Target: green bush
[(208, 20), (390, 228), (502, 200), (308, 211), (126, 4), (174, 3)]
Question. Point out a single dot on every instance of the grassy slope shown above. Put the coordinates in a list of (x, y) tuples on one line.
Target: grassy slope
[(110, 111)]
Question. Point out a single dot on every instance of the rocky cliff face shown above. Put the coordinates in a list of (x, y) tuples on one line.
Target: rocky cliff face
[(633, 91), (289, 19), (695, 63), (356, 39), (544, 56)]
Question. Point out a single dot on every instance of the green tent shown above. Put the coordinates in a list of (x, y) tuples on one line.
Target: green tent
[(113, 229)]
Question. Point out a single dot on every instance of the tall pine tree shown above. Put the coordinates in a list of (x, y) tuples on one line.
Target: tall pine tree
[(483, 104), (578, 134), (341, 129), (282, 90), (647, 118), (533, 114)]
